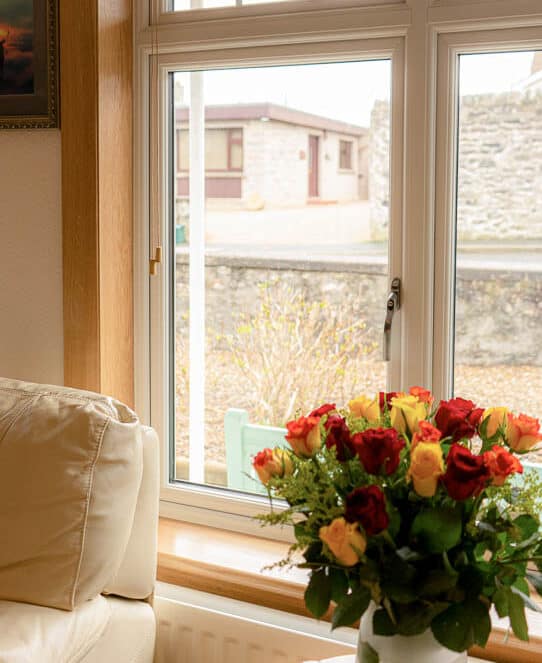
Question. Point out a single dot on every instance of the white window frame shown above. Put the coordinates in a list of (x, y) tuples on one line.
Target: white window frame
[(303, 31), (450, 47)]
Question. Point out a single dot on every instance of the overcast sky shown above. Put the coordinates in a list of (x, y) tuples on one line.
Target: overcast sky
[(348, 91)]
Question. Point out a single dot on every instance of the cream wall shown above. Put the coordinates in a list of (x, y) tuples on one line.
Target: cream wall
[(31, 344)]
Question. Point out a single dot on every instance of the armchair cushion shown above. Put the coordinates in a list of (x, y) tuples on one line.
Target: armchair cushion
[(70, 470)]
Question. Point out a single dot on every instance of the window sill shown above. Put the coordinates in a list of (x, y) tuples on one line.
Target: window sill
[(230, 564)]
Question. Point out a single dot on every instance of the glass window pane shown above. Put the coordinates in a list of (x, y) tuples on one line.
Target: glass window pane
[(498, 354), (180, 5), (281, 269)]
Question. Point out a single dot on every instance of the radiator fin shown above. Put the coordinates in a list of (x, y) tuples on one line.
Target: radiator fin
[(192, 634)]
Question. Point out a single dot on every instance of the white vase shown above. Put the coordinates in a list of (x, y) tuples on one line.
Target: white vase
[(402, 649)]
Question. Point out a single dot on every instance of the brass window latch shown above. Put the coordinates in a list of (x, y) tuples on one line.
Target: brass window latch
[(153, 262)]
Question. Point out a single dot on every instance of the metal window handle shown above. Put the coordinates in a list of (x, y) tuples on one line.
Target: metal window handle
[(393, 303)]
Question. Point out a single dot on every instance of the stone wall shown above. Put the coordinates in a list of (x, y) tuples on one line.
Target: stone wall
[(500, 167), (498, 311)]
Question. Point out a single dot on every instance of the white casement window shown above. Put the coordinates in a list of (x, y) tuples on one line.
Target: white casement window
[(296, 161)]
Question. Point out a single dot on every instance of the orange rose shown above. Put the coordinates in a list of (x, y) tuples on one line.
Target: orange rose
[(522, 432), (344, 540), (365, 407), (501, 464), (497, 418), (426, 467), (423, 395), (426, 433), (304, 436), (272, 463)]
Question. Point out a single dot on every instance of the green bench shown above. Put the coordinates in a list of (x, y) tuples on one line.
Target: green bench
[(243, 441)]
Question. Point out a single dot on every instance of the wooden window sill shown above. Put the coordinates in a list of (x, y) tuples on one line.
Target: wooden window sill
[(230, 564)]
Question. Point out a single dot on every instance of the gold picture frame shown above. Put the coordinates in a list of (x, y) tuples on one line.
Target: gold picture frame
[(29, 64)]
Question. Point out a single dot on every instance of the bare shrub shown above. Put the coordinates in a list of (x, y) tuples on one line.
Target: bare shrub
[(294, 353)]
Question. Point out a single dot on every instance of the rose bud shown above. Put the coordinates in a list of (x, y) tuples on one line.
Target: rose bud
[(344, 540), (379, 449), (523, 432), (426, 433), (426, 467), (423, 395), (466, 474), (272, 463), (367, 506), (338, 436), (496, 418), (365, 407), (501, 464), (323, 409), (384, 399), (458, 418), (304, 436), (406, 413)]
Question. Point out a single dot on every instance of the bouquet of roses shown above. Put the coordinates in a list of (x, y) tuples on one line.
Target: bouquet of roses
[(419, 509)]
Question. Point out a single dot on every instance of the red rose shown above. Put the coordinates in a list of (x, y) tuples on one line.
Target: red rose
[(367, 506), (384, 399), (323, 409), (466, 474), (458, 418), (501, 463), (378, 449), (338, 436)]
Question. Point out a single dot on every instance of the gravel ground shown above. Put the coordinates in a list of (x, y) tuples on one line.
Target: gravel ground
[(517, 387)]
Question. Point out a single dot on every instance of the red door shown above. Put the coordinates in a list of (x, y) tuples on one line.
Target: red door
[(313, 166)]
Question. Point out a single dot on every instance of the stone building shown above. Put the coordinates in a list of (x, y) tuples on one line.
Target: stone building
[(267, 155)]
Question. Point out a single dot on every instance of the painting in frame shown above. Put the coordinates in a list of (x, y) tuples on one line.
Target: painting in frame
[(28, 64)]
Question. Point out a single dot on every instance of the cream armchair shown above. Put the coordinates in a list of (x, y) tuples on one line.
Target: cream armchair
[(78, 528)]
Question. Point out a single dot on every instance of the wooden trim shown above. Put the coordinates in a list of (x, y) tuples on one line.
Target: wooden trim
[(96, 106), (230, 564)]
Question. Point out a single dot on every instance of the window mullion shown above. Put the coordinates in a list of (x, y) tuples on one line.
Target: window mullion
[(197, 277)]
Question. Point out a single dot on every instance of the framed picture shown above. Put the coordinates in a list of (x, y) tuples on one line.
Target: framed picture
[(28, 64)]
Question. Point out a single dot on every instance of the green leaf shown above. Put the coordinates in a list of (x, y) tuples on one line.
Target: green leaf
[(382, 624), (351, 607), (518, 621), (437, 530), (318, 593), (415, 618), (437, 582), (368, 654), (500, 599), (339, 584), (527, 600), (462, 625), (527, 525), (535, 578)]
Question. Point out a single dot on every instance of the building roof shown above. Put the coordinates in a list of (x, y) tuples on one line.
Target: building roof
[(273, 112)]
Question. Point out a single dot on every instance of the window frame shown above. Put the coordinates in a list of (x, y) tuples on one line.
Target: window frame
[(225, 37), (348, 164), (451, 46), (193, 502)]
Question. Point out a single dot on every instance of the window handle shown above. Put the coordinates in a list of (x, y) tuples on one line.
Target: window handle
[(393, 303)]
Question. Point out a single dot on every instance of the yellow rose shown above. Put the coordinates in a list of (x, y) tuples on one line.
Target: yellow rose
[(497, 417), (365, 407), (406, 413), (271, 463), (344, 540), (426, 466)]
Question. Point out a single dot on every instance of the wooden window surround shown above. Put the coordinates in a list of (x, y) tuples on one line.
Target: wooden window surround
[(230, 564), (96, 115)]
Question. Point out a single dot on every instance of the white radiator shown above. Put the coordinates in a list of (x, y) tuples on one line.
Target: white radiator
[(194, 627)]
